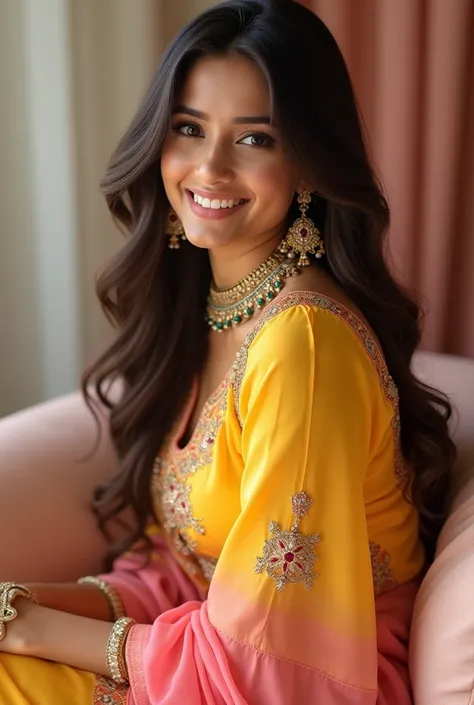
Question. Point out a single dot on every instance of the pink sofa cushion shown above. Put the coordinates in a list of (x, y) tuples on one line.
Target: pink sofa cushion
[(442, 635)]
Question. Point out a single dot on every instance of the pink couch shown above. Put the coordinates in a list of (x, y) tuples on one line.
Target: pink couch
[(442, 637), (46, 481)]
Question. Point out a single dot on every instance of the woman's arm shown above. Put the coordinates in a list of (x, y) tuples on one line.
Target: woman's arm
[(64, 638), (143, 589), (80, 600)]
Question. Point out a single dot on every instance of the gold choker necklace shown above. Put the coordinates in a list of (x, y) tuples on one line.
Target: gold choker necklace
[(227, 308)]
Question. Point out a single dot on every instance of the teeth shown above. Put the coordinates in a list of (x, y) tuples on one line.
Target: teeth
[(215, 204)]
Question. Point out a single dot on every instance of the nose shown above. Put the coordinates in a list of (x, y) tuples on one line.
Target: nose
[(215, 165)]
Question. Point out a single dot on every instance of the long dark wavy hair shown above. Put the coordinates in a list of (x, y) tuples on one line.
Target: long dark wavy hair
[(156, 297)]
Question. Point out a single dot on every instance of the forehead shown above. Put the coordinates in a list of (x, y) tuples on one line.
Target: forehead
[(230, 85)]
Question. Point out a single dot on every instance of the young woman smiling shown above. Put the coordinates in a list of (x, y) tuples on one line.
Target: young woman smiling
[(286, 470)]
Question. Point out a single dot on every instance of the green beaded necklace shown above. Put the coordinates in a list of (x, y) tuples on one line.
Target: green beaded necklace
[(228, 308)]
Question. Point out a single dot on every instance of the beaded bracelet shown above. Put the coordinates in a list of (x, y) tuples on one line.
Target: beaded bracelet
[(115, 651), (116, 604)]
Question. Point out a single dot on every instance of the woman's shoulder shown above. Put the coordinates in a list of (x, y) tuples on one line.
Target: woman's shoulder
[(319, 330), (306, 341), (307, 322)]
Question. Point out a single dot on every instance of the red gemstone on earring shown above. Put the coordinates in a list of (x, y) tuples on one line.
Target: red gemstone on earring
[(303, 232), (173, 217), (289, 557)]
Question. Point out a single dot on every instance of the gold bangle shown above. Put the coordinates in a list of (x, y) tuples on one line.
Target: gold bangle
[(115, 651), (8, 592), (116, 605)]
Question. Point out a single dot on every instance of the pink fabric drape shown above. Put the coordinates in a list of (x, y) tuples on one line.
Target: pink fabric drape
[(412, 64)]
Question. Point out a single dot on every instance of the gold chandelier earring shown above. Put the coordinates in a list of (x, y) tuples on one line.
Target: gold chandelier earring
[(303, 238), (174, 230)]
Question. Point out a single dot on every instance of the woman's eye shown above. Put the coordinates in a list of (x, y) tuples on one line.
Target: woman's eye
[(258, 139), (188, 129)]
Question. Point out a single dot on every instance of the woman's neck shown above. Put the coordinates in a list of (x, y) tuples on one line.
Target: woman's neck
[(230, 265)]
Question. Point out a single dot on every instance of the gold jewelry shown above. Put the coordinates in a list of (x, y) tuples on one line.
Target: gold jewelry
[(8, 592), (116, 605), (175, 230), (303, 237), (115, 651), (227, 308)]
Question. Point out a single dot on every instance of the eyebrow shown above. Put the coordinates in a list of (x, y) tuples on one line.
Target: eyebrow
[(247, 120)]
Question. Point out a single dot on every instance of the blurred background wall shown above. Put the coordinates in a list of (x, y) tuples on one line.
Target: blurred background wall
[(412, 64), (72, 73)]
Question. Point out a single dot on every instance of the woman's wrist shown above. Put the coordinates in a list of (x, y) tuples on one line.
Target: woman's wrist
[(83, 643), (84, 600), (56, 636)]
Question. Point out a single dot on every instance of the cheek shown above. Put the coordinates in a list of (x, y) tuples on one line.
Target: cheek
[(171, 167), (173, 170), (274, 186)]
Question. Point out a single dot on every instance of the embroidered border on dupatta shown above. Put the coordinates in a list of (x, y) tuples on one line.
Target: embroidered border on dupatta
[(106, 692)]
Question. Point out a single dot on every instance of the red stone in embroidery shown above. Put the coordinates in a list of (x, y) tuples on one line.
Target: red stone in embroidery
[(288, 556)]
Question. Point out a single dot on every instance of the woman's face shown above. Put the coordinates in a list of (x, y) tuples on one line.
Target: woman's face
[(224, 168)]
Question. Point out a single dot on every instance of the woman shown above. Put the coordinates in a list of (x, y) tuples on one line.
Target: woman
[(269, 423)]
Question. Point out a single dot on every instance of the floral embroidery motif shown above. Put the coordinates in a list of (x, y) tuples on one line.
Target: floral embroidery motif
[(177, 510), (106, 692), (381, 571), (365, 337), (171, 475), (289, 557)]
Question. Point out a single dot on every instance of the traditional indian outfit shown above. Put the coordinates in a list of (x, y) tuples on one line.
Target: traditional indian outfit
[(287, 560)]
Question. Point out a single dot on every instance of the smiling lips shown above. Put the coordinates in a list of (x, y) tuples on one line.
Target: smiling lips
[(214, 208)]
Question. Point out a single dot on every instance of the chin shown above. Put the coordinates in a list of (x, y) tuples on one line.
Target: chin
[(208, 241)]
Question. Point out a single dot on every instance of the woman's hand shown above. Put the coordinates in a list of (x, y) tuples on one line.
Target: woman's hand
[(38, 631)]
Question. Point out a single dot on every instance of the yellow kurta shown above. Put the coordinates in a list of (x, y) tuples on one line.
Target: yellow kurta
[(308, 404)]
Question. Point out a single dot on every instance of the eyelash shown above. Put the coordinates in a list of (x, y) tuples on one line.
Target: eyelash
[(269, 141)]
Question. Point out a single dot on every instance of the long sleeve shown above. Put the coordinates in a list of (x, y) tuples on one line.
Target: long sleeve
[(291, 610), (149, 588)]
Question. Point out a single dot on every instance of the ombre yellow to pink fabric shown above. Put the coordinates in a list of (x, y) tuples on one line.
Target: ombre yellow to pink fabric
[(287, 562)]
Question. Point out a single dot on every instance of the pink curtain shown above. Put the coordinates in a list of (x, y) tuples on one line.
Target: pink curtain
[(412, 64)]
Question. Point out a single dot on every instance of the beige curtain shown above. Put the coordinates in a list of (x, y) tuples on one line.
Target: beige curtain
[(72, 73), (116, 49), (412, 63)]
